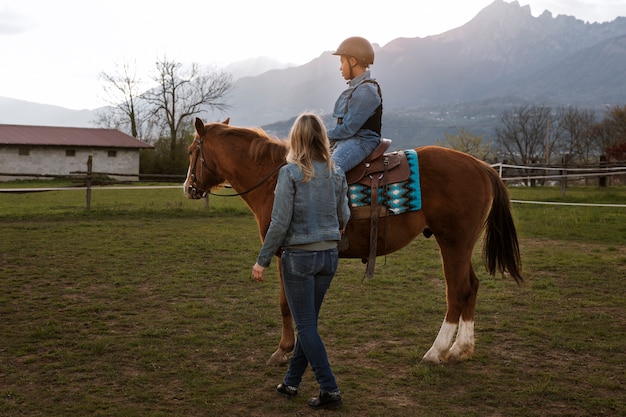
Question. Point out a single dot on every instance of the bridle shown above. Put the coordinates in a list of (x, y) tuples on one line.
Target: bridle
[(197, 191), (193, 188)]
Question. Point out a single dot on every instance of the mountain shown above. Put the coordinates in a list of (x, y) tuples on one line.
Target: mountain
[(254, 66), (282, 93), (20, 112), (463, 78), (503, 52), (592, 75), (491, 56), (460, 79)]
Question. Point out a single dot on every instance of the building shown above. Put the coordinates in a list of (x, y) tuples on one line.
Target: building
[(52, 151)]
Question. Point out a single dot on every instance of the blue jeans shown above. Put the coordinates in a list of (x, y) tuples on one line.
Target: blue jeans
[(349, 153), (306, 277)]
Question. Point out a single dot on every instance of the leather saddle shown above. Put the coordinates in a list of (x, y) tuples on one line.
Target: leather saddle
[(378, 170)]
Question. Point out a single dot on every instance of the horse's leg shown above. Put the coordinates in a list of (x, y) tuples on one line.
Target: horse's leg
[(442, 343), (287, 337), (463, 346), (461, 289)]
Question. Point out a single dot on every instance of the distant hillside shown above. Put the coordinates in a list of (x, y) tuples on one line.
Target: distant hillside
[(19, 112), (461, 79), (595, 75), (254, 66), (503, 52)]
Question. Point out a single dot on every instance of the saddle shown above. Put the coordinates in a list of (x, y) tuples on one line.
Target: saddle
[(377, 171)]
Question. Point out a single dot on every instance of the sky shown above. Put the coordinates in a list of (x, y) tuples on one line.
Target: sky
[(52, 51)]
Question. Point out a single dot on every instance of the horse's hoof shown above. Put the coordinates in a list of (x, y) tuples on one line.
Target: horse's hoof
[(278, 358), (432, 358), (458, 354), (452, 359)]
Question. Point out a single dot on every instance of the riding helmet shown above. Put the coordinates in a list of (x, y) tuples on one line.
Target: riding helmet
[(359, 48)]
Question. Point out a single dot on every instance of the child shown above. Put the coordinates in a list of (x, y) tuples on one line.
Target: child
[(359, 108)]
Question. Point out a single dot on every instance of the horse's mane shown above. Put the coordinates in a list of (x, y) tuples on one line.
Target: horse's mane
[(262, 145)]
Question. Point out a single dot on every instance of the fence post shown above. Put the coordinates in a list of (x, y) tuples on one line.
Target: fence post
[(602, 179), (89, 170), (563, 172), (563, 182)]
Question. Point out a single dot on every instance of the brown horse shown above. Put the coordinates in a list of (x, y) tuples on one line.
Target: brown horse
[(461, 196)]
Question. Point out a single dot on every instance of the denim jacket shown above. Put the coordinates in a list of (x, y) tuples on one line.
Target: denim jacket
[(354, 106), (306, 212)]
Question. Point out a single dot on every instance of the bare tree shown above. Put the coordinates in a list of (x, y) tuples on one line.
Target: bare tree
[(471, 144), (616, 122), (123, 92), (575, 139), (524, 135), (610, 131), (181, 93)]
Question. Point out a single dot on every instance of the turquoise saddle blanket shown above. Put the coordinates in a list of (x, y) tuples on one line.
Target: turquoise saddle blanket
[(401, 197)]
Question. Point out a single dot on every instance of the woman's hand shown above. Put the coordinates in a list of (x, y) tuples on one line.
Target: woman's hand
[(257, 272)]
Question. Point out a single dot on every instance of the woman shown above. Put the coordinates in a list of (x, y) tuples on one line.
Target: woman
[(359, 108), (309, 214)]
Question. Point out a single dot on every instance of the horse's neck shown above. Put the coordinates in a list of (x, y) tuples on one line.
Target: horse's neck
[(236, 166), (244, 173), (249, 176), (260, 201)]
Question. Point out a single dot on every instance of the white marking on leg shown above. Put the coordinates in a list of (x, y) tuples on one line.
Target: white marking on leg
[(438, 351), (464, 345)]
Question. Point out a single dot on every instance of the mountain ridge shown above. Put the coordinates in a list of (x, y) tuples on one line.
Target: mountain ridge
[(502, 57), (499, 53)]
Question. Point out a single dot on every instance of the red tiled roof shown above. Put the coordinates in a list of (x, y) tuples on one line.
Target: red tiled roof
[(67, 136)]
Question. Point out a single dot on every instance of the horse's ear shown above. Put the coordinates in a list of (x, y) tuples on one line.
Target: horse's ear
[(227, 121), (199, 126)]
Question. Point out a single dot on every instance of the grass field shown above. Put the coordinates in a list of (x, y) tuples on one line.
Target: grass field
[(144, 306)]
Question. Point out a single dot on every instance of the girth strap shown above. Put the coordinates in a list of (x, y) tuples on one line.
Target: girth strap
[(371, 259), (374, 216)]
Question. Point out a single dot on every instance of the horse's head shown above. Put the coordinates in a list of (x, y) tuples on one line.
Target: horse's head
[(202, 174)]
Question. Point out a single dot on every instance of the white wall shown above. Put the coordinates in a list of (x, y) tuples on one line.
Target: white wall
[(53, 160)]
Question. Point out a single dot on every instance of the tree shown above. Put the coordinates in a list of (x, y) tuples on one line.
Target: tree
[(123, 94), (574, 135), (616, 152), (182, 93), (160, 160), (162, 114), (471, 144), (523, 137), (614, 128)]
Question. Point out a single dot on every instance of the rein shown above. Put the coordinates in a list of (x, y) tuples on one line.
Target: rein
[(203, 193), (257, 185)]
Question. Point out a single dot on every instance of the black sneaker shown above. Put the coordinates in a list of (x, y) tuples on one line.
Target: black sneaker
[(326, 400), (286, 390)]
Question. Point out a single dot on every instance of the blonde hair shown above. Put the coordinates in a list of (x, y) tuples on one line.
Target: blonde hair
[(308, 143)]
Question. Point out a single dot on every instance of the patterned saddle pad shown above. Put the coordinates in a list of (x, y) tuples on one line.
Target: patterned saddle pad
[(397, 198)]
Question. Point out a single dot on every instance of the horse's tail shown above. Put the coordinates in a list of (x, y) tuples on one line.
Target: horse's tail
[(501, 248)]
